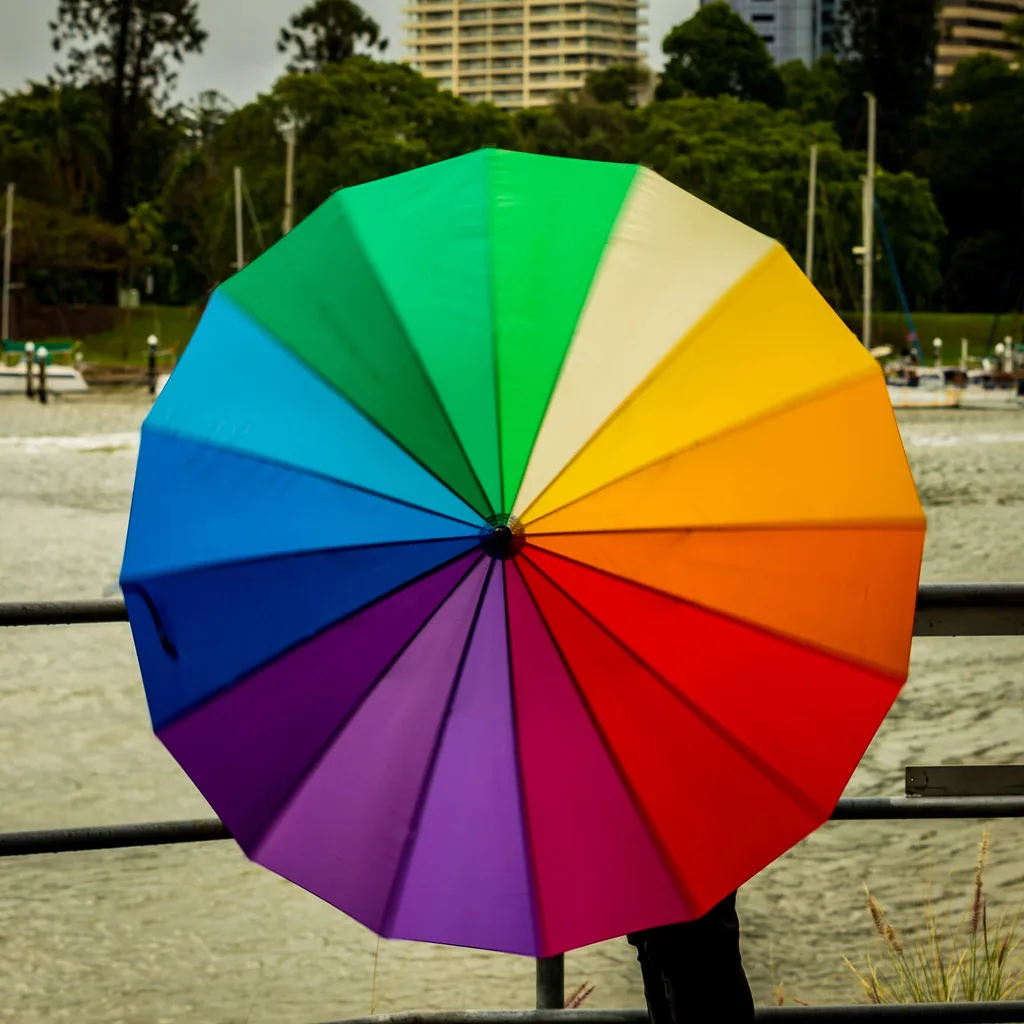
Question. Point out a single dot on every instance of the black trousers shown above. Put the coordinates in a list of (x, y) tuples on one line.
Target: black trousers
[(693, 972)]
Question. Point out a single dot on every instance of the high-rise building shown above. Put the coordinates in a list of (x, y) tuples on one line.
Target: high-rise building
[(791, 29), (969, 27), (519, 54)]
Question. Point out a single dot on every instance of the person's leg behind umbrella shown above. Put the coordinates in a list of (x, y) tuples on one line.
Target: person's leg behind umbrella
[(694, 971)]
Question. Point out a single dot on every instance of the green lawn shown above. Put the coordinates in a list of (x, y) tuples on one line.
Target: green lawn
[(127, 344), (174, 325), (891, 329)]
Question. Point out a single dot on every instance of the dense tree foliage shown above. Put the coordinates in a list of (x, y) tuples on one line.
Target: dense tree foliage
[(716, 53), (620, 83), (125, 49), (973, 154), (728, 127), (888, 49), (328, 32)]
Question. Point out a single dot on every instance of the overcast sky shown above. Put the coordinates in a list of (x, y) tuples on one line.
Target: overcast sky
[(240, 59)]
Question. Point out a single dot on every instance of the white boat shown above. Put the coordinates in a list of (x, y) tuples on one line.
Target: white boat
[(990, 390), (921, 388), (60, 380)]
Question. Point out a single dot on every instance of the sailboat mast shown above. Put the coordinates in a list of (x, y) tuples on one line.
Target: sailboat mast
[(812, 193), (239, 222), (5, 313), (869, 221)]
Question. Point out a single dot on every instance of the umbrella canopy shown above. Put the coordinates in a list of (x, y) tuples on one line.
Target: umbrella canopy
[(523, 553)]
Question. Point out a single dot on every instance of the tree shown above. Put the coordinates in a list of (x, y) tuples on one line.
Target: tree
[(204, 116), (358, 120), (583, 129), (327, 32), (620, 83), (57, 135), (145, 231), (716, 53), (751, 162), (126, 48), (1014, 31), (888, 49), (978, 78), (974, 156), (813, 92)]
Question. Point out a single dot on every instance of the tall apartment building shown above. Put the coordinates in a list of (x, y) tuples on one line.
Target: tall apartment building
[(791, 29), (519, 54), (969, 27)]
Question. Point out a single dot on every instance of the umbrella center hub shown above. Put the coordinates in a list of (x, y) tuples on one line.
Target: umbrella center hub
[(504, 540)]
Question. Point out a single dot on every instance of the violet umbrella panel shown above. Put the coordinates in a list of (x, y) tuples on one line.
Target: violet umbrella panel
[(541, 568)]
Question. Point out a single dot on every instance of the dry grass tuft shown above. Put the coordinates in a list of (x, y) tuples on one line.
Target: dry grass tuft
[(578, 996), (969, 962)]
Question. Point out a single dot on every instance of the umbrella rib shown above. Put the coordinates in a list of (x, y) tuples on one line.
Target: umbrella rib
[(325, 747), (796, 402), (524, 818), (401, 872), (897, 523), (282, 555), (493, 300), (317, 474), (333, 624), (756, 627), (785, 785), (685, 892), (418, 359)]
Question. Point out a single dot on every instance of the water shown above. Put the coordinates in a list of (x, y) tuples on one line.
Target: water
[(196, 933)]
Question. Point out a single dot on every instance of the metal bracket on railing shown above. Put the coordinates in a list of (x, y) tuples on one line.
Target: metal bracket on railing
[(951, 781)]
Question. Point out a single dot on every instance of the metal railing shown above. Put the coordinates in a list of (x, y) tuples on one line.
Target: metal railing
[(943, 609), (923, 1013), (967, 609)]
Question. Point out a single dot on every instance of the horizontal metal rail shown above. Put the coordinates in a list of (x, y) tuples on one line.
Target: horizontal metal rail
[(1009, 1012), (170, 833), (62, 613), (970, 609), (900, 808), (946, 609), (111, 837)]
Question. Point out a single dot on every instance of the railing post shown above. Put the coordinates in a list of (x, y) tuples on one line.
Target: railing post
[(551, 982), (41, 357), (152, 343), (30, 359)]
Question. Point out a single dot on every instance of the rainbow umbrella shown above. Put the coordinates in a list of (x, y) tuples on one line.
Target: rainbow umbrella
[(522, 554)]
